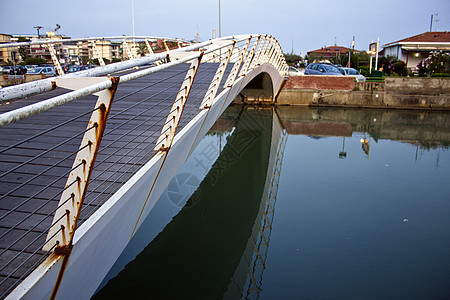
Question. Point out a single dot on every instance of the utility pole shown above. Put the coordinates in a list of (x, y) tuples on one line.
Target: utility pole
[(220, 23), (376, 55), (431, 23), (132, 17)]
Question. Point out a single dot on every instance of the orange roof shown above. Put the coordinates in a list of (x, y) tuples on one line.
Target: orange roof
[(426, 37), (330, 51)]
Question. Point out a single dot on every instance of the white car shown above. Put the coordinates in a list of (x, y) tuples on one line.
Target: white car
[(294, 71), (352, 72), (47, 71)]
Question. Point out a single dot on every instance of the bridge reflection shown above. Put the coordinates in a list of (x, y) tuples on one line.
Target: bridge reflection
[(216, 246)]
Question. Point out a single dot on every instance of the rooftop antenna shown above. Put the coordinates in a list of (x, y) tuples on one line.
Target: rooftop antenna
[(436, 21)]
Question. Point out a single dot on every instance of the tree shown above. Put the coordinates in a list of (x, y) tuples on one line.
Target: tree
[(142, 50), (292, 59), (24, 50), (35, 61)]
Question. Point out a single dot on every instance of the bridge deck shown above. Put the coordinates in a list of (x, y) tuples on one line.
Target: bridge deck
[(33, 173)]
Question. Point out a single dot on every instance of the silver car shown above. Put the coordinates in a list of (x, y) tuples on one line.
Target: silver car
[(352, 72), (47, 71)]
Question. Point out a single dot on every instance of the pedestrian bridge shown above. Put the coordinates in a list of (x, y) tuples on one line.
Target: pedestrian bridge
[(85, 156)]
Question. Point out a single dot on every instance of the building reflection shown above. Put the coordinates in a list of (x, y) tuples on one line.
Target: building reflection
[(424, 129)]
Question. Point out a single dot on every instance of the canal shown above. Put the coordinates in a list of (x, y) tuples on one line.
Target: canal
[(304, 202)]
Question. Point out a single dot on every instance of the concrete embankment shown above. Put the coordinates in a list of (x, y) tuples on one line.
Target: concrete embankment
[(405, 93)]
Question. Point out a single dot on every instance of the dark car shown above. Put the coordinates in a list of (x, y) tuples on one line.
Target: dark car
[(321, 69), (18, 70)]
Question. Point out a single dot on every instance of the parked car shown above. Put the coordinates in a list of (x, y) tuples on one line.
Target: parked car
[(73, 69), (321, 69), (47, 71), (294, 71), (6, 69), (29, 67), (18, 70), (352, 72)]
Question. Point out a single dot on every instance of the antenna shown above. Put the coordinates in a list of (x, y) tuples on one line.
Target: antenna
[(436, 21)]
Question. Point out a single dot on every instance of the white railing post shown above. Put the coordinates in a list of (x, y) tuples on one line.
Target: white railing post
[(255, 60), (55, 60), (232, 77), (214, 85), (249, 58), (97, 54), (173, 119), (66, 216), (128, 52)]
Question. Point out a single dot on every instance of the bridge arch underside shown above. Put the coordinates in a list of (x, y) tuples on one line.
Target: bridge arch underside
[(100, 240), (258, 90)]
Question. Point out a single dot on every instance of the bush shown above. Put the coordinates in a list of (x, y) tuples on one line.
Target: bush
[(400, 68), (392, 66), (441, 75), (437, 62), (365, 71)]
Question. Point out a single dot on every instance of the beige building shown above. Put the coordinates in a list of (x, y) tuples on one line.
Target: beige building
[(5, 53)]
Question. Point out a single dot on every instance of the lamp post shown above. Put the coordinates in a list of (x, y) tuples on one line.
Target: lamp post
[(38, 27)]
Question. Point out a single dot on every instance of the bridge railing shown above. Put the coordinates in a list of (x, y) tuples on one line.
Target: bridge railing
[(65, 152)]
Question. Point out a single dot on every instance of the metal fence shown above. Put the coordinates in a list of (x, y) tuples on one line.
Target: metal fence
[(64, 152)]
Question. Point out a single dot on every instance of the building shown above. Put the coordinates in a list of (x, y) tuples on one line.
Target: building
[(330, 51), (5, 53), (413, 50)]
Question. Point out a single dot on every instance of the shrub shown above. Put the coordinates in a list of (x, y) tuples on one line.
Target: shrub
[(437, 62), (442, 75)]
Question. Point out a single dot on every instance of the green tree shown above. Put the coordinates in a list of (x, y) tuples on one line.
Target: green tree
[(142, 50), (292, 59), (84, 60), (35, 61), (24, 50)]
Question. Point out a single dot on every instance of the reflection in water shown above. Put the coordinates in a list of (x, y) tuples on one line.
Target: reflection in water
[(216, 246), (344, 228)]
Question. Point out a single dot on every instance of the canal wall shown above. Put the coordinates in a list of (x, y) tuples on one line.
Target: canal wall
[(404, 93), (8, 80)]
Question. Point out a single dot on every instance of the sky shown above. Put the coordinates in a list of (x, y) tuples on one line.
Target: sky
[(299, 25)]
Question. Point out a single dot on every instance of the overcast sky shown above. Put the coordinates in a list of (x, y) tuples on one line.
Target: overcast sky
[(301, 25)]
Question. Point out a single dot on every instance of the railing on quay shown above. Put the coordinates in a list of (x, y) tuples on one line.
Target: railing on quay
[(61, 158)]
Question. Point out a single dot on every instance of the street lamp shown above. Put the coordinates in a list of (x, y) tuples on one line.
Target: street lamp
[(38, 27)]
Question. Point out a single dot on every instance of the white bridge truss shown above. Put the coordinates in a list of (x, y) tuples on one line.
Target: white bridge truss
[(79, 251)]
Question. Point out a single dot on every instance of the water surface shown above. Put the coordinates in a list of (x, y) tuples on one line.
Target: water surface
[(301, 203)]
